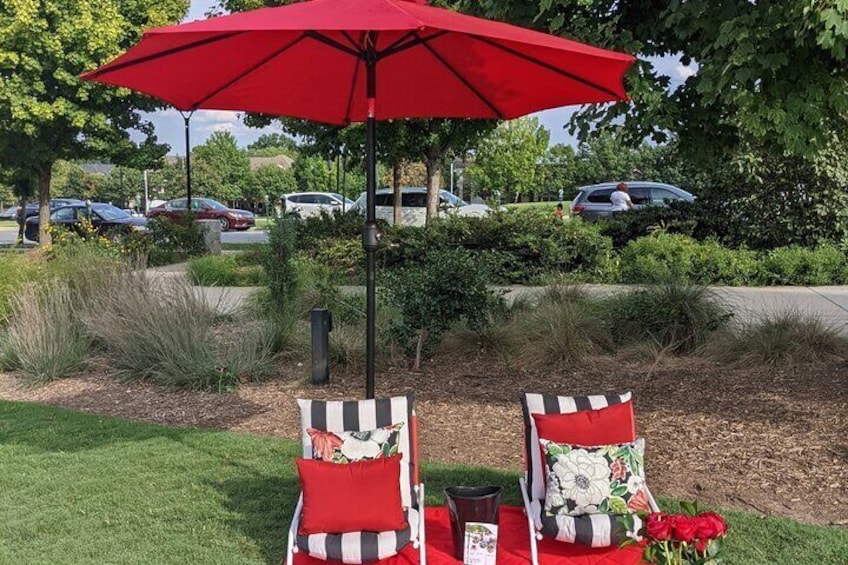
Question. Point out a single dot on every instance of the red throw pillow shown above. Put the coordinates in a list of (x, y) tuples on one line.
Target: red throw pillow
[(353, 497), (606, 426)]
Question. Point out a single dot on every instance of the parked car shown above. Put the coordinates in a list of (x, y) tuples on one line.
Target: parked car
[(107, 219), (9, 213), (414, 205), (593, 202), (307, 204), (31, 208), (206, 209)]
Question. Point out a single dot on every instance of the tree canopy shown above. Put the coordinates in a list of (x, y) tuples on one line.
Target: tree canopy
[(46, 111), (767, 75)]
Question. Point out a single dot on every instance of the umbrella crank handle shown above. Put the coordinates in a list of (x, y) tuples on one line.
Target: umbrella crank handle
[(370, 237)]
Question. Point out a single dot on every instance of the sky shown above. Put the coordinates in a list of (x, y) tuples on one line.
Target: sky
[(170, 126)]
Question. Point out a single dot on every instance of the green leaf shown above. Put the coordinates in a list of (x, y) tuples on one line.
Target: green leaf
[(688, 507), (617, 505)]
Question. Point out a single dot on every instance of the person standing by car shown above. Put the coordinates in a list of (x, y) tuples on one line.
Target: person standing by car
[(620, 198), (558, 212)]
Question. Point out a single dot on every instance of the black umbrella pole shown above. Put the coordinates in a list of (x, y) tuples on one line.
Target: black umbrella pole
[(369, 235), (187, 119)]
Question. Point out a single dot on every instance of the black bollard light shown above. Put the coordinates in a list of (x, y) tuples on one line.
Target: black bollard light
[(322, 325)]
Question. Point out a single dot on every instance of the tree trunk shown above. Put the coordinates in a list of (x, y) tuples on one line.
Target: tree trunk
[(419, 348), (44, 205), (397, 197), (434, 182)]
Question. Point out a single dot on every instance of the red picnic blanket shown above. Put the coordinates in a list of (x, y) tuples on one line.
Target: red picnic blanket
[(513, 545)]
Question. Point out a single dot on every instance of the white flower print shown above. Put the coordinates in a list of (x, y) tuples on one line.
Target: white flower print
[(583, 477), (635, 484), (357, 446)]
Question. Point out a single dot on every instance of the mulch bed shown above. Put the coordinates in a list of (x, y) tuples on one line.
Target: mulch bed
[(772, 441)]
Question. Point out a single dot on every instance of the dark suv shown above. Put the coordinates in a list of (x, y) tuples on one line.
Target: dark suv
[(593, 202)]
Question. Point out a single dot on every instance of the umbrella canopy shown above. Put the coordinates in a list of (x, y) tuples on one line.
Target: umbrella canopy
[(308, 60), (343, 61)]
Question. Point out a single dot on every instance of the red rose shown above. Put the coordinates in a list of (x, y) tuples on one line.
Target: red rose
[(658, 526), (710, 526), (684, 528), (701, 545)]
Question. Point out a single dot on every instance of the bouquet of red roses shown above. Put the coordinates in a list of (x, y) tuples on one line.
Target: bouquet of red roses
[(683, 539)]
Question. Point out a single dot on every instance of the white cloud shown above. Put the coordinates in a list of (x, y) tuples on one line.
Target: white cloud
[(684, 71), (217, 116)]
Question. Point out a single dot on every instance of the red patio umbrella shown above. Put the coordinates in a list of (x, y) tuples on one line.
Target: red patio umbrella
[(343, 61)]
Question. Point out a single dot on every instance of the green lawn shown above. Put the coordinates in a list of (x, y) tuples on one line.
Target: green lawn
[(78, 488)]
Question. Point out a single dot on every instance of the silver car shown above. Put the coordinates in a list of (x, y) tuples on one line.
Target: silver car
[(593, 202)]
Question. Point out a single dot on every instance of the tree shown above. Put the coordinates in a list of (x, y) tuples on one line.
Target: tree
[(508, 158), (311, 174), (121, 186), (273, 181), (220, 169), (46, 111), (270, 144), (769, 74)]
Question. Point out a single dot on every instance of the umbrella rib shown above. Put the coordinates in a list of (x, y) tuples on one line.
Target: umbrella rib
[(352, 89), (250, 70), (464, 81), (332, 43), (352, 42), (166, 53), (545, 65), (397, 47)]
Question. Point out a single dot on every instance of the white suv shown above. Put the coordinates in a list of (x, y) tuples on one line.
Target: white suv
[(307, 204), (413, 210)]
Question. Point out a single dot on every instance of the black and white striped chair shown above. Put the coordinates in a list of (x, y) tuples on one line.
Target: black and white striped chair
[(594, 530), (354, 416)]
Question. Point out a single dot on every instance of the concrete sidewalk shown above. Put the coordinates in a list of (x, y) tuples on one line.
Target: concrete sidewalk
[(829, 303)]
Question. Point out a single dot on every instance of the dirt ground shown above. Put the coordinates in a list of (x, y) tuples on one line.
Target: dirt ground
[(768, 441)]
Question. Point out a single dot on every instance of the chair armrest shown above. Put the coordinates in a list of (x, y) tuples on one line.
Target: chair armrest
[(291, 548)]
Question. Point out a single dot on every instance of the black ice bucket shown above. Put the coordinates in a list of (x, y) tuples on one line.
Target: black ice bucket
[(470, 504)]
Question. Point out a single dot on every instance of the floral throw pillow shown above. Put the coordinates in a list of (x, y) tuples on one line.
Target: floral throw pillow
[(588, 480), (344, 447)]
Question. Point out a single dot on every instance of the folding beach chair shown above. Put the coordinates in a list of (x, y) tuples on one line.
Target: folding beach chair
[(357, 418), (596, 529)]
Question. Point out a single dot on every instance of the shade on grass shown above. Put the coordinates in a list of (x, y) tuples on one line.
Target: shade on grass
[(77, 488)]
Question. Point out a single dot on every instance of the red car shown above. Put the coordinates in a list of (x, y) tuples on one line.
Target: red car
[(206, 209)]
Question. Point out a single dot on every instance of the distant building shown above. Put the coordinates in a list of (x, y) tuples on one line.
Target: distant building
[(281, 161)]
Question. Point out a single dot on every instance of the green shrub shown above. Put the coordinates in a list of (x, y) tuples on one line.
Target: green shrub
[(312, 232), (45, 340), (795, 265), (447, 287), (169, 241), (675, 316), (518, 246), (279, 263), (784, 338), (344, 256), (663, 257), (223, 270)]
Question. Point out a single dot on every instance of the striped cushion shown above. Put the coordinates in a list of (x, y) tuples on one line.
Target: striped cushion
[(548, 404), (594, 530), (359, 547)]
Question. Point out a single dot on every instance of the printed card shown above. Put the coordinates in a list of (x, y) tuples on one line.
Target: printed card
[(481, 543)]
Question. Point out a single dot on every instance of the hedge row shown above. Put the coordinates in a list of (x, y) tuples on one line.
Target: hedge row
[(527, 246)]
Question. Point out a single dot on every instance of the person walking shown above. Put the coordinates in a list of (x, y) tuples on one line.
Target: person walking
[(620, 198)]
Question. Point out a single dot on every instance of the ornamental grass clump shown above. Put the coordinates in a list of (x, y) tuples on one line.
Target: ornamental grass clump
[(562, 329), (44, 339), (782, 338), (163, 332), (676, 316)]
